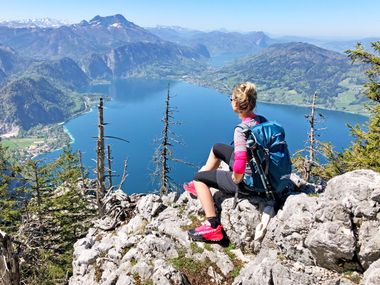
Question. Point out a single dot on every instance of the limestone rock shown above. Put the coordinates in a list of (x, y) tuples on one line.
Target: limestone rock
[(358, 187), (369, 240), (372, 274), (150, 206), (311, 240), (289, 229), (165, 274), (332, 244)]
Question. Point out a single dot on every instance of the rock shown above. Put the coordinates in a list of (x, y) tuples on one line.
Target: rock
[(312, 240), (369, 241), (221, 260), (289, 229), (240, 223), (372, 274), (332, 244), (150, 206), (358, 187), (165, 274), (215, 277), (125, 279), (136, 225), (170, 222), (375, 196), (258, 271)]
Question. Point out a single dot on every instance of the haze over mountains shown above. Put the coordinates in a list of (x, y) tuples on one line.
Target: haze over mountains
[(67, 58)]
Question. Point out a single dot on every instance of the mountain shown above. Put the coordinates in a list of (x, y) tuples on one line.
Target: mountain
[(292, 72), (145, 59), (98, 35), (336, 44), (10, 62), (64, 71), (27, 102), (34, 23), (217, 42)]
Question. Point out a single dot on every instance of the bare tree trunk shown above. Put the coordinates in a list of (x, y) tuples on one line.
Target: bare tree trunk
[(109, 166), (165, 145), (81, 169), (101, 189), (312, 149)]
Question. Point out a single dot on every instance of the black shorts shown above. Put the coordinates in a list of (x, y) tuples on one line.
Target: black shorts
[(221, 179)]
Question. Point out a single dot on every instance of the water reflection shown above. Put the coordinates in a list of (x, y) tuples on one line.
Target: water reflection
[(133, 90)]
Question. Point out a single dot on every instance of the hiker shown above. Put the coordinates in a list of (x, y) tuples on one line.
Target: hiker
[(243, 102)]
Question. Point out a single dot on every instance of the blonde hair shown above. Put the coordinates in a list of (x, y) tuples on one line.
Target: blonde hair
[(245, 95)]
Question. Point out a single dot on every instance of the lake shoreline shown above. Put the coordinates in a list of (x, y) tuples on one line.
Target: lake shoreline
[(89, 108)]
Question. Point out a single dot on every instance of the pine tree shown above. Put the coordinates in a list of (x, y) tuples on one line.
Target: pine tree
[(57, 216), (364, 152), (11, 198)]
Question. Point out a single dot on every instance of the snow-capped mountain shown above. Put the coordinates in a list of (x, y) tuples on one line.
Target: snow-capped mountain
[(34, 23)]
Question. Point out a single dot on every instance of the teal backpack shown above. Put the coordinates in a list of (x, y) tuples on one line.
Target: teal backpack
[(269, 158)]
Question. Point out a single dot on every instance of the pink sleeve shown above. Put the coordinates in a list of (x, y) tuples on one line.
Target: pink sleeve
[(240, 162)]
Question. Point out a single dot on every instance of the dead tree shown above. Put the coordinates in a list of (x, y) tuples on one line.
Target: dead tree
[(313, 145), (109, 166), (164, 153), (101, 187)]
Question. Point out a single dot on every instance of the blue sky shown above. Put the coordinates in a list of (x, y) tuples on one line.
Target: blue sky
[(330, 18)]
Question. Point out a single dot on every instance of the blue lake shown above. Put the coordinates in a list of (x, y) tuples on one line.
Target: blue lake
[(135, 114)]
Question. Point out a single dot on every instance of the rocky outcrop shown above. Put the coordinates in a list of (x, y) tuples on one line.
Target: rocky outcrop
[(329, 238)]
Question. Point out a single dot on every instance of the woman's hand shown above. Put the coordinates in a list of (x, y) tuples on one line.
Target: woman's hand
[(236, 177)]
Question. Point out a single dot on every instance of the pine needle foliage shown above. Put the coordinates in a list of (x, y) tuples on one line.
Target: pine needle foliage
[(365, 150), (57, 215)]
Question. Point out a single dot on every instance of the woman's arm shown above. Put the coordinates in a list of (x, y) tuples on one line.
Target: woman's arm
[(237, 177), (240, 156)]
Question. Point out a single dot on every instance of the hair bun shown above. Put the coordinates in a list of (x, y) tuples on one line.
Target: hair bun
[(246, 95)]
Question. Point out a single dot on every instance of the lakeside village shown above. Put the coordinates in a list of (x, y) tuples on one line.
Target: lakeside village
[(40, 140)]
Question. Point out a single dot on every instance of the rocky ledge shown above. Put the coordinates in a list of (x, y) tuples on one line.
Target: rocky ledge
[(328, 238)]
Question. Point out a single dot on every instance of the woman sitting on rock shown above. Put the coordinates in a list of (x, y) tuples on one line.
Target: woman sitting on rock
[(243, 102)]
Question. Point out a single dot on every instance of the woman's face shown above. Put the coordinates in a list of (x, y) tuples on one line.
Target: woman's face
[(234, 104)]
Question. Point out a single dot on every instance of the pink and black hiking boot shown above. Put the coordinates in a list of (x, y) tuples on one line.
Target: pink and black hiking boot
[(206, 233), (189, 187)]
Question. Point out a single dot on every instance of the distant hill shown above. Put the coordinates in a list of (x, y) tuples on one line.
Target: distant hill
[(27, 102), (217, 42), (158, 59), (10, 62), (337, 44), (292, 72), (64, 72)]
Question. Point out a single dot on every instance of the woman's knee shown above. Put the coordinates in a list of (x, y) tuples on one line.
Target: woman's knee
[(216, 149), (198, 176)]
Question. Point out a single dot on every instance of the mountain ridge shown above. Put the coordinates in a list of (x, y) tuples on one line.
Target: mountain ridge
[(292, 72)]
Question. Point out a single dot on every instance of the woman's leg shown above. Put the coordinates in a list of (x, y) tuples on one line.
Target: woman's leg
[(218, 153), (206, 199), (211, 231)]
